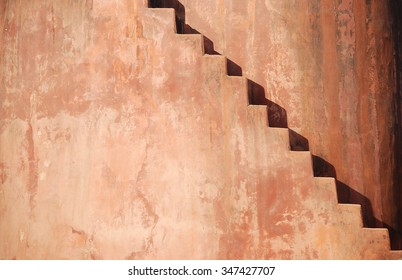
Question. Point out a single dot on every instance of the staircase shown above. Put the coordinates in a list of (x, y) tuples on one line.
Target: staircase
[(337, 230)]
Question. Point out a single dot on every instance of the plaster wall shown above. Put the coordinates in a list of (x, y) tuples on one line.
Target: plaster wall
[(119, 139)]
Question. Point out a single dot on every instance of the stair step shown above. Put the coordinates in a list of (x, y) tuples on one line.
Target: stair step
[(379, 236), (195, 40), (258, 115), (216, 62), (276, 138), (351, 214), (281, 135), (236, 92), (305, 161), (326, 189), (165, 17), (376, 243), (395, 254)]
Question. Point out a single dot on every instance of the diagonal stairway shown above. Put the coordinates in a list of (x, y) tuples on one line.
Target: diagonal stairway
[(337, 219)]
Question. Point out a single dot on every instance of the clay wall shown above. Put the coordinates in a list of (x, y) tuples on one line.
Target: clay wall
[(119, 139)]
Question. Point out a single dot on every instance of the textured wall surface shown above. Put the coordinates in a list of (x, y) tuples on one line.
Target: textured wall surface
[(119, 139), (330, 64)]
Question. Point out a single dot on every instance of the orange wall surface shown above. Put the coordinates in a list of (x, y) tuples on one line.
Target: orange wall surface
[(120, 139)]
